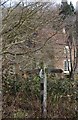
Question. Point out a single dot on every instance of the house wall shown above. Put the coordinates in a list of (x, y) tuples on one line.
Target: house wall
[(60, 41)]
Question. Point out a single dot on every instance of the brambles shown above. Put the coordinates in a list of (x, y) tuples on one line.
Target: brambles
[(61, 95)]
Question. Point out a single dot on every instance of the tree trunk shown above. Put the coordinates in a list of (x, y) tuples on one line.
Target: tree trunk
[(71, 71)]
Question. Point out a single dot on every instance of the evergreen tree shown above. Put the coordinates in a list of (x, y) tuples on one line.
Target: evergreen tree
[(72, 7), (66, 9)]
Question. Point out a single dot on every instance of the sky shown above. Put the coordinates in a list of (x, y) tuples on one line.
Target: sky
[(57, 1)]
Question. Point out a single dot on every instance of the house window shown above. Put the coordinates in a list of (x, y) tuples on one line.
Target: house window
[(67, 65)]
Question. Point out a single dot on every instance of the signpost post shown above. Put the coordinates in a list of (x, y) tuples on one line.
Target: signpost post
[(43, 85), (45, 93)]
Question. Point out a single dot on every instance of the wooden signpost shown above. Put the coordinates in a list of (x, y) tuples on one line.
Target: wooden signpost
[(43, 76), (43, 83)]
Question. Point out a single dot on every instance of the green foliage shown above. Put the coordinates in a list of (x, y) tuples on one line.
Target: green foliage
[(20, 114), (61, 92), (32, 86), (58, 88), (11, 86), (36, 85)]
